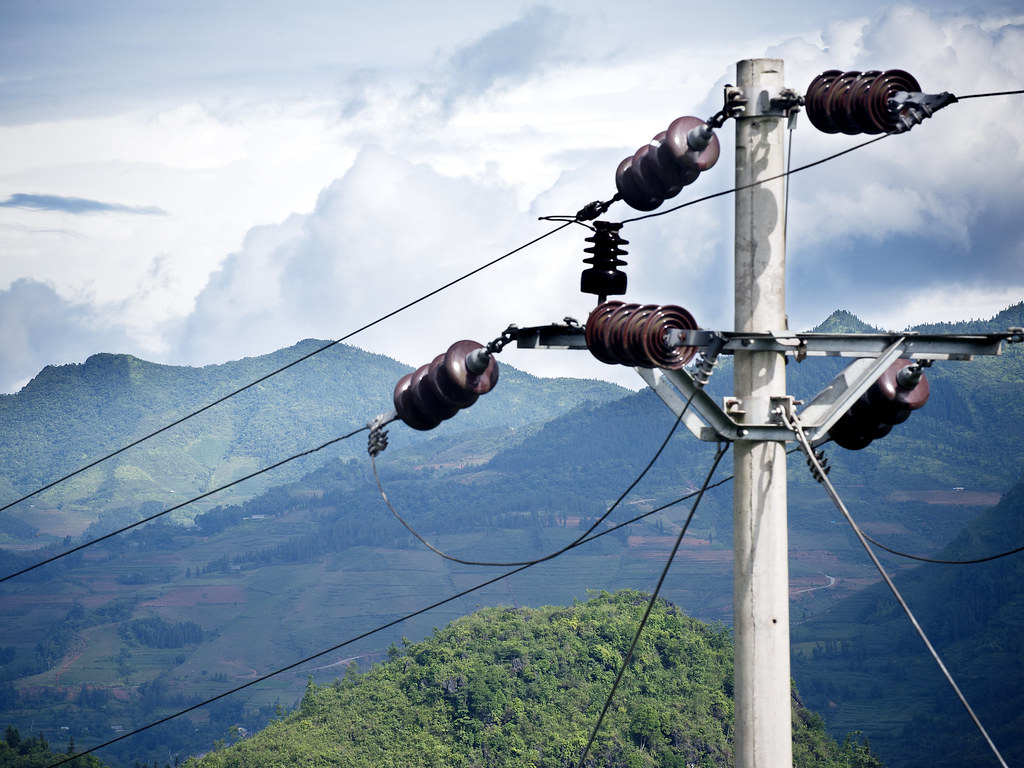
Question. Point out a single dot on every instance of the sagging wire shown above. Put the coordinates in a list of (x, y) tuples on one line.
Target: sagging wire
[(722, 448), (136, 524), (378, 441), (937, 561), (822, 477), (283, 368), (390, 624)]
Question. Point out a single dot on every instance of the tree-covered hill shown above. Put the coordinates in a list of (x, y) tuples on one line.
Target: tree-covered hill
[(524, 687)]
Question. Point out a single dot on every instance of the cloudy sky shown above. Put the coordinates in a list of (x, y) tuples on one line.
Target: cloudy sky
[(194, 182)]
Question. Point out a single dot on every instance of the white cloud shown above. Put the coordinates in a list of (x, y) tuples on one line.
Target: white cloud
[(310, 201)]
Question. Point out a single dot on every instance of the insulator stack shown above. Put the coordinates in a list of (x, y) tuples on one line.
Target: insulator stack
[(604, 278), (901, 389), (857, 102), (673, 159), (450, 382), (638, 334)]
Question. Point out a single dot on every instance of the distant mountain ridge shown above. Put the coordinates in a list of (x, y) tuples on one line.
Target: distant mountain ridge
[(70, 415), (306, 558)]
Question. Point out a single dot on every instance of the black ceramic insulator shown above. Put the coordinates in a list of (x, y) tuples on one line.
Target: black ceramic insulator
[(604, 278)]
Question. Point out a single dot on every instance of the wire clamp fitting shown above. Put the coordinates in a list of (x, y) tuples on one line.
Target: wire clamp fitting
[(378, 439), (913, 107)]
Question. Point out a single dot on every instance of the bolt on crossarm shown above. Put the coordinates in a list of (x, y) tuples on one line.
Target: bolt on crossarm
[(760, 570)]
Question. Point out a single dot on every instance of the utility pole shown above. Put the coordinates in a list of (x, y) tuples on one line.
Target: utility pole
[(761, 570)]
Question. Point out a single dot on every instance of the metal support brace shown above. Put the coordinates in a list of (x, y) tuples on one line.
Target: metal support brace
[(873, 353)]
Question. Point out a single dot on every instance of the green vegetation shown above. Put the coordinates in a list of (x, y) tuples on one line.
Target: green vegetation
[(163, 617), (70, 415), (34, 752), (862, 661), (524, 687)]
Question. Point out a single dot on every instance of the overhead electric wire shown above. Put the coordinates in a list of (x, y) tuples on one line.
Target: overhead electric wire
[(182, 504), (581, 537), (723, 447), (706, 487), (943, 562), (283, 368), (821, 476), (759, 182), (986, 95), (567, 222)]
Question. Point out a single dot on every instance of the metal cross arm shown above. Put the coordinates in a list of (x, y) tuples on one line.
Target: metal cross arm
[(917, 346), (874, 354)]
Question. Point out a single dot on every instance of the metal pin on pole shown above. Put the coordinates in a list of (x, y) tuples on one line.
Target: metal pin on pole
[(761, 570)]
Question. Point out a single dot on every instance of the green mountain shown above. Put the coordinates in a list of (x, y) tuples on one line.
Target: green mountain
[(307, 559), (861, 661), (516, 687), (69, 416)]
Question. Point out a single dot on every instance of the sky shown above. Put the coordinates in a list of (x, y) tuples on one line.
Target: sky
[(194, 182)]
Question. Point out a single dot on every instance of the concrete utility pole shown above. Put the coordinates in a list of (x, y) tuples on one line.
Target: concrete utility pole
[(761, 568)]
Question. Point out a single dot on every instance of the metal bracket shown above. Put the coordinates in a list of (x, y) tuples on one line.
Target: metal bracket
[(872, 354), (918, 346), (750, 103)]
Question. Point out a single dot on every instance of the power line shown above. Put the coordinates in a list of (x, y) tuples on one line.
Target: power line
[(820, 475), (650, 603), (283, 368), (943, 562), (986, 95), (759, 182), (707, 486), (580, 538), (183, 504)]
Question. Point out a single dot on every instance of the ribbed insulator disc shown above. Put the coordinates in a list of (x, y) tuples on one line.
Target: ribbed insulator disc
[(656, 350), (814, 101), (595, 327), (406, 408)]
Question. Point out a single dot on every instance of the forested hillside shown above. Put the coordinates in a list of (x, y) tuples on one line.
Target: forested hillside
[(516, 687), (863, 660), (164, 616), (70, 415)]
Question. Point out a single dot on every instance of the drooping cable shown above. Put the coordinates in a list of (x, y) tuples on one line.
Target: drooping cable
[(283, 368), (937, 561), (821, 476), (582, 536), (554, 554), (706, 487), (182, 504), (722, 448)]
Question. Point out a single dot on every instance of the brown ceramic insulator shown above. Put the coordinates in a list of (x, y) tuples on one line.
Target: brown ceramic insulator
[(428, 400), (858, 102), (814, 101), (440, 381), (407, 410), (894, 400), (836, 106), (594, 328), (693, 160), (658, 324), (629, 189), (659, 169), (462, 376), (887, 85), (613, 334)]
